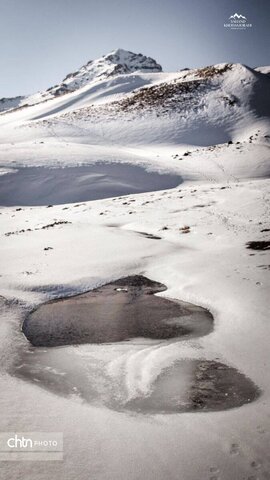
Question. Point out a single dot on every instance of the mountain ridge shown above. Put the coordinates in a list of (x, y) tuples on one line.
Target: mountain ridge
[(200, 107), (116, 62)]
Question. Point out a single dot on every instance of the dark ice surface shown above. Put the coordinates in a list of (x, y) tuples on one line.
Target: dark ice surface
[(127, 312), (118, 311)]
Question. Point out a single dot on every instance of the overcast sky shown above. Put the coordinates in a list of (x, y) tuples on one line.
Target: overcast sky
[(43, 40)]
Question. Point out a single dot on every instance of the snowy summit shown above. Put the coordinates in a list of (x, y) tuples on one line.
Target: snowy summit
[(116, 62)]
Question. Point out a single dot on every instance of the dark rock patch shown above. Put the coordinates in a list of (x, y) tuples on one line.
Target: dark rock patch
[(259, 245), (150, 235)]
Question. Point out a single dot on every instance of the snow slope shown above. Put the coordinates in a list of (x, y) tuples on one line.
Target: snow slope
[(143, 110), (181, 123), (265, 70), (210, 266)]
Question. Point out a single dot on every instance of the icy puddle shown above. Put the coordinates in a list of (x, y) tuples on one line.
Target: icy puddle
[(122, 346), (42, 185), (115, 312)]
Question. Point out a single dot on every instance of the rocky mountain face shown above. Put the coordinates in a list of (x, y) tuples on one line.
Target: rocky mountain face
[(8, 103), (115, 63)]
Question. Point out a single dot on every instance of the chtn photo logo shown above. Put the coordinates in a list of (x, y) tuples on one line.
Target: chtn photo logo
[(31, 446), (237, 22), (19, 442)]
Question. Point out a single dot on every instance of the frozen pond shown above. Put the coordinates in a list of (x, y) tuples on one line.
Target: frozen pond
[(43, 185), (115, 312), (120, 346)]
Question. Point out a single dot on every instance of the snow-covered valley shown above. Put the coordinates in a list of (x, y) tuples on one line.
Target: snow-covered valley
[(210, 127)]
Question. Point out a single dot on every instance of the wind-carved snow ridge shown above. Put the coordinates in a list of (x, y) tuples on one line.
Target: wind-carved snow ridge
[(143, 368), (137, 370)]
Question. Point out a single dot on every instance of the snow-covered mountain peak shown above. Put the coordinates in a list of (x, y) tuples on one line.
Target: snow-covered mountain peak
[(132, 61), (114, 63)]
